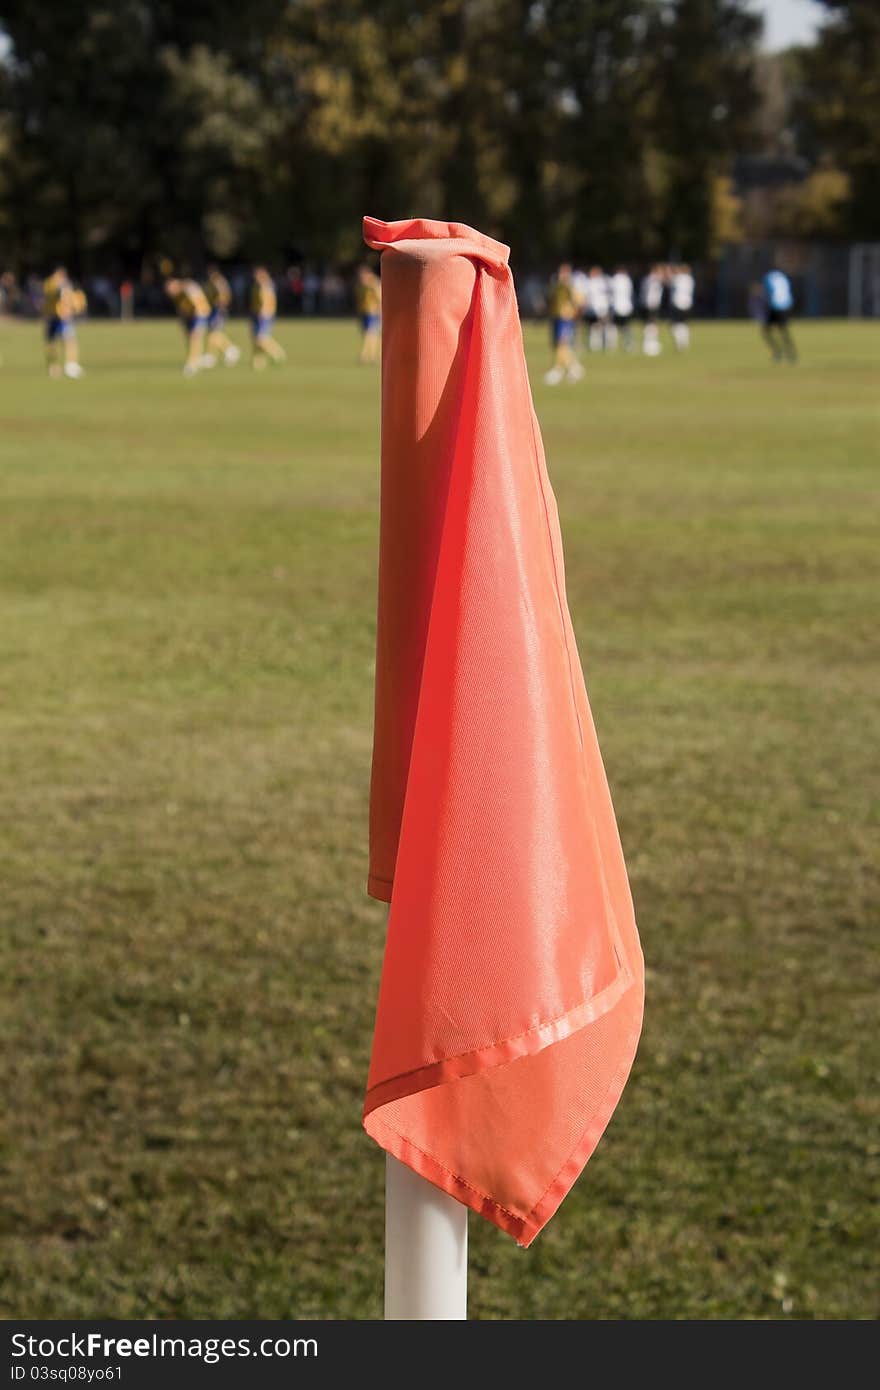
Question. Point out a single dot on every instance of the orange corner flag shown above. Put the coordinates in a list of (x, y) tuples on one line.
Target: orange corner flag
[(511, 998)]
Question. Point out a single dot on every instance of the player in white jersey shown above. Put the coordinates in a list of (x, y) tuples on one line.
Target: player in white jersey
[(681, 302), (599, 311), (621, 288), (580, 283), (651, 298)]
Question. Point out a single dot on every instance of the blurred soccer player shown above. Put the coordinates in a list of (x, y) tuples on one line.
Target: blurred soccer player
[(193, 310), (681, 302), (264, 304), (60, 306), (580, 284), (564, 306), (622, 305), (778, 304), (602, 335), (368, 300), (219, 297), (651, 297)]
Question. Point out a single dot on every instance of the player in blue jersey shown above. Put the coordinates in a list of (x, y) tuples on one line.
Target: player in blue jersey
[(778, 304)]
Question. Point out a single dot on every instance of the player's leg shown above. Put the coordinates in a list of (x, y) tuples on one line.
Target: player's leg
[(574, 371), (651, 345), (786, 339), (564, 357), (266, 349), (219, 342), (209, 355), (72, 366), (564, 363), (610, 334), (53, 365), (369, 340), (557, 369), (274, 349), (215, 338), (768, 330), (550, 375), (259, 360), (568, 358), (195, 347), (185, 329)]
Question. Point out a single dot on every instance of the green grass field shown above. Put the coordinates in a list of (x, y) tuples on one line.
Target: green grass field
[(189, 959)]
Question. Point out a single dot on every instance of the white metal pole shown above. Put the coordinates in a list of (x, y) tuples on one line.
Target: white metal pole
[(425, 1248)]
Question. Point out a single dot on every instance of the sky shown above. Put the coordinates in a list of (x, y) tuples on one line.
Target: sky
[(788, 21)]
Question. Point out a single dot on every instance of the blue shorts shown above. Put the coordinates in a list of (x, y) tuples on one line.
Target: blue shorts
[(563, 331), (262, 325), (369, 322), (216, 319), (195, 323), (58, 328)]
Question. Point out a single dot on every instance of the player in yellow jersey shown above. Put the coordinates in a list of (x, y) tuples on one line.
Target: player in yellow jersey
[(565, 308), (61, 303), (264, 304), (368, 302), (193, 310), (219, 297)]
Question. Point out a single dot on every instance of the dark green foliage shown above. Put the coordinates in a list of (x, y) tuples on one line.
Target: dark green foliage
[(593, 127), (839, 105), (703, 104)]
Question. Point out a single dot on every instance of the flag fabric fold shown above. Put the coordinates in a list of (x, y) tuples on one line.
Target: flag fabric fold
[(511, 996)]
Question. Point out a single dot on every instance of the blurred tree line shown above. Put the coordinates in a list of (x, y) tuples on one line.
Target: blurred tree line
[(265, 128)]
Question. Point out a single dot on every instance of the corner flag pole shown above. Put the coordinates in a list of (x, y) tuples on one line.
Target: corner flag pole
[(425, 1249)]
